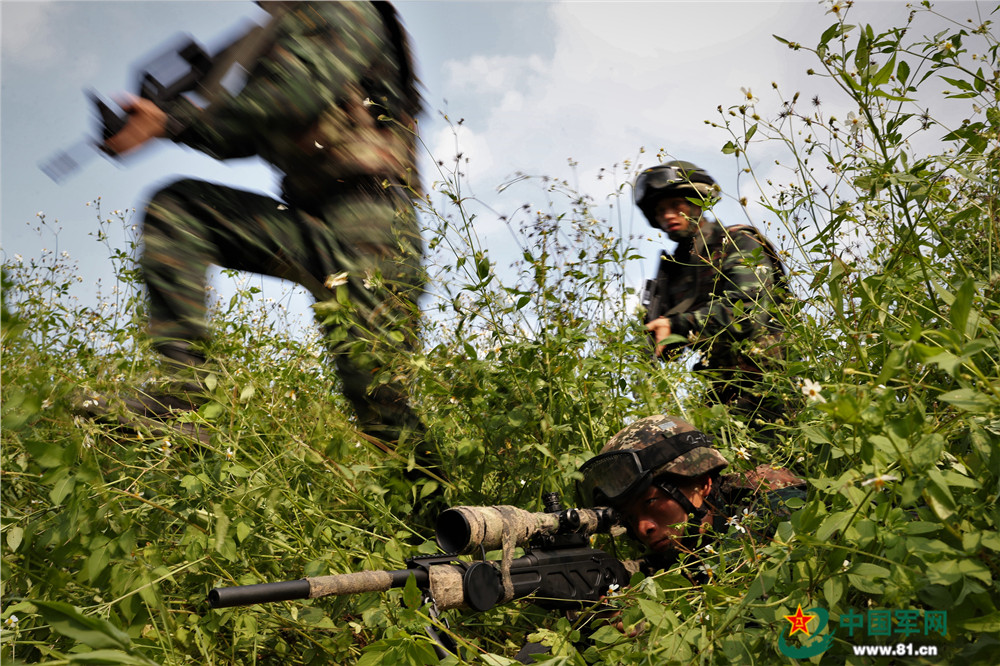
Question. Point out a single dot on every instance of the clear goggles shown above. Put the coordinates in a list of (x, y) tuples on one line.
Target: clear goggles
[(656, 179), (614, 476)]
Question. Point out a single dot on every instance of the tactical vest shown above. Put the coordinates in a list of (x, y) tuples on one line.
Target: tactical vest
[(697, 285), (690, 279), (354, 140), (359, 136)]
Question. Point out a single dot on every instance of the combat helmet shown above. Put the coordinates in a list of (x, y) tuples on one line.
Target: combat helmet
[(643, 453), (672, 179)]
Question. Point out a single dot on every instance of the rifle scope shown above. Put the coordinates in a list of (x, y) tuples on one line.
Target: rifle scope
[(464, 529)]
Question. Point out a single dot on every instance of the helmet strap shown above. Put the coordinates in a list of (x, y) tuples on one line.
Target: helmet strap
[(688, 540)]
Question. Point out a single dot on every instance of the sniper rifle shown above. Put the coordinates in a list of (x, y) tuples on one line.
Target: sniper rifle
[(559, 567)]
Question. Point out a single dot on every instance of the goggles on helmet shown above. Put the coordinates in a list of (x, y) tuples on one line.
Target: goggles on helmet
[(611, 477), (656, 179)]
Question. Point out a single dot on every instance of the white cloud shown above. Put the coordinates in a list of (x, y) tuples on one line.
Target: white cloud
[(27, 33)]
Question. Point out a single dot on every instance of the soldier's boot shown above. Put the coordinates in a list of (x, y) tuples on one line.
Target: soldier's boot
[(385, 415), (182, 390)]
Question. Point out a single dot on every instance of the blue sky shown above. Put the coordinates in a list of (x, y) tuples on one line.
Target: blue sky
[(537, 84)]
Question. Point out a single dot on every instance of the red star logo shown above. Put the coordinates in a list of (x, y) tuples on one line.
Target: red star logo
[(799, 621)]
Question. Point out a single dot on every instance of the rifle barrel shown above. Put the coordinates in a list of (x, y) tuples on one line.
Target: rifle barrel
[(243, 595), (311, 588)]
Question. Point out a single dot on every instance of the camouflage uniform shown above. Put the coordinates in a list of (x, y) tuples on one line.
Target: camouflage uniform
[(699, 287), (331, 104)]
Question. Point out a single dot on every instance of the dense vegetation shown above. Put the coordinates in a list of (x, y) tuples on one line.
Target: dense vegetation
[(890, 222)]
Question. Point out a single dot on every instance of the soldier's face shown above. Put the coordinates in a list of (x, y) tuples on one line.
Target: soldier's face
[(657, 519), (678, 217)]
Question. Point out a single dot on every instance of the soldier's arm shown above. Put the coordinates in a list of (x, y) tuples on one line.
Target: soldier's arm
[(319, 49), (748, 279)]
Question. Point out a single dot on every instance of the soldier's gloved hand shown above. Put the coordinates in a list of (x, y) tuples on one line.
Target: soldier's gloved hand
[(145, 121), (660, 329)]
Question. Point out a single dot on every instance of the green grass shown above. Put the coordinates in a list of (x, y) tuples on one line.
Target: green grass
[(113, 536)]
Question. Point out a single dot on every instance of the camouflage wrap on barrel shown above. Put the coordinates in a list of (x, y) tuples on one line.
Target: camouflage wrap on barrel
[(349, 583), (655, 431)]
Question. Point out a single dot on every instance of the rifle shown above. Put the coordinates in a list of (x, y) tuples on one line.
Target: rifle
[(182, 67), (651, 300), (559, 567)]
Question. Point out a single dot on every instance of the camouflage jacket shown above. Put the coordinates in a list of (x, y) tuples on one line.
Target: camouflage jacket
[(333, 97), (718, 289)]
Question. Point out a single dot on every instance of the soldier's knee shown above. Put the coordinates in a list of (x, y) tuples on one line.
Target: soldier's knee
[(169, 197)]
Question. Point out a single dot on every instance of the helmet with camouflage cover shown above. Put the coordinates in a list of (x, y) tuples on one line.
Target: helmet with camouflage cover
[(643, 453), (672, 179), (660, 431)]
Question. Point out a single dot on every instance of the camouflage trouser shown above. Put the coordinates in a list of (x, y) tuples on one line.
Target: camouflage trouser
[(738, 381), (364, 231)]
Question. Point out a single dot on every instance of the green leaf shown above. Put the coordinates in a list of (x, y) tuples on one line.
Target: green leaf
[(962, 305), (939, 496), (210, 410), (927, 451), (903, 71), (242, 530), (247, 393), (62, 488), (882, 76), (14, 537), (987, 624), (833, 590), (967, 399), (109, 657), (70, 622), (412, 595), (607, 635)]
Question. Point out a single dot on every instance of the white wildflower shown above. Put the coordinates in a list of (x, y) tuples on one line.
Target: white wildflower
[(880, 481), (733, 522), (846, 565), (855, 123), (335, 280), (230, 454), (11, 622), (742, 453), (811, 390), (748, 94)]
